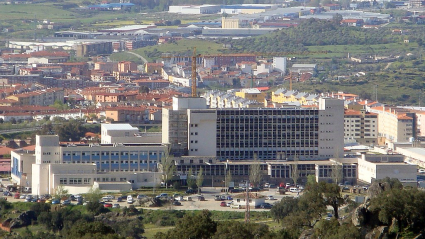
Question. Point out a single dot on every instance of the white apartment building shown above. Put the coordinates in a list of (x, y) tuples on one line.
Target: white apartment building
[(79, 167), (238, 134), (395, 124), (361, 126)]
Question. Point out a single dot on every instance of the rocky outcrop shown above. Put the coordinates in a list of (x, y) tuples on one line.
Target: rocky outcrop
[(307, 234), (23, 220), (378, 233)]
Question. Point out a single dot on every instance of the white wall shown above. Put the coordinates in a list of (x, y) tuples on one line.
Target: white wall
[(331, 127), (202, 132), (279, 64)]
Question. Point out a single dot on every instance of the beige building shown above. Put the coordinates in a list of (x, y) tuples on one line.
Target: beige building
[(361, 126), (229, 23), (395, 124)]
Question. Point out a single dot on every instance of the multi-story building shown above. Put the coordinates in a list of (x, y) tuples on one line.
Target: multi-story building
[(79, 167), (361, 126), (395, 124), (127, 114), (42, 97), (269, 133), (175, 123)]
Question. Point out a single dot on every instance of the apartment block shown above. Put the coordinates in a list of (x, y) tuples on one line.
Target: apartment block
[(361, 126), (395, 124)]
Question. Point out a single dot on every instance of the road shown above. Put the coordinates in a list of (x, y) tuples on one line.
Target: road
[(141, 57), (11, 131)]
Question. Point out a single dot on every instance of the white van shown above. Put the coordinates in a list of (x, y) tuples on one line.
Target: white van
[(130, 199), (293, 190)]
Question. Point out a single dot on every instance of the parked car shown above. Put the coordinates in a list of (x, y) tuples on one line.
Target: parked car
[(140, 196), (107, 205), (66, 202), (107, 199), (28, 198), (190, 191), (201, 198), (163, 195), (179, 198), (223, 204), (266, 206), (218, 198), (23, 196), (177, 203), (116, 205), (56, 201), (130, 199), (270, 197), (119, 199), (421, 170), (228, 204)]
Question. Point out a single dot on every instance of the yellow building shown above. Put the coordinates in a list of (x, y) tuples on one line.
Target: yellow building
[(229, 23), (253, 94), (282, 96)]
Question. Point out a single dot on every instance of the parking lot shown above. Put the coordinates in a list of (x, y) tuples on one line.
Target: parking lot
[(210, 203)]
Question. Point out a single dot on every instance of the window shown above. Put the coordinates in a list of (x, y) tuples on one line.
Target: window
[(63, 181), (87, 180)]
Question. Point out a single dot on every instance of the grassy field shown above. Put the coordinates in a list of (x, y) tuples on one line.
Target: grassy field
[(123, 56), (182, 46), (342, 50), (152, 229)]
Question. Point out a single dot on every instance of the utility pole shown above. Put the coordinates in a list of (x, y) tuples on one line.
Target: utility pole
[(376, 93), (247, 209)]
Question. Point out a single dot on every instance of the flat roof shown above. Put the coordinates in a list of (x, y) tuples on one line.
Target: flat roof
[(118, 127)]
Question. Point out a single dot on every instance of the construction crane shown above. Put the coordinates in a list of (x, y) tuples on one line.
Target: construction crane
[(195, 56)]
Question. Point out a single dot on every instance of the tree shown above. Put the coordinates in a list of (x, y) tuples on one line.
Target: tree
[(60, 192), (255, 174), (295, 174), (200, 179), (72, 130), (337, 168), (46, 128), (283, 208), (331, 194), (93, 195), (168, 166), (228, 179), (191, 226), (83, 229), (143, 89), (13, 120), (191, 183), (235, 229)]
